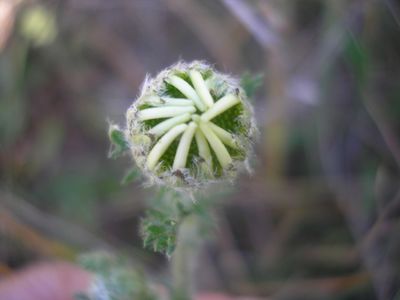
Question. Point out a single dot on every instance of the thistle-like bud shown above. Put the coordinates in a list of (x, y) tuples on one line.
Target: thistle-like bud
[(190, 126)]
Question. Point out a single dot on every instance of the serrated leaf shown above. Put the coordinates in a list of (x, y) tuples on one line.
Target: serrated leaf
[(159, 232), (160, 226), (251, 83)]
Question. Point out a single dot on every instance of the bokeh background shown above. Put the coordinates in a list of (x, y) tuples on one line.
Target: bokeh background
[(319, 216)]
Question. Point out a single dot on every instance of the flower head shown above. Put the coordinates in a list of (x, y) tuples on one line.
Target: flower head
[(190, 126)]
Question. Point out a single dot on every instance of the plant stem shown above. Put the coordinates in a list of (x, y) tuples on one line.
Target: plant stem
[(184, 259)]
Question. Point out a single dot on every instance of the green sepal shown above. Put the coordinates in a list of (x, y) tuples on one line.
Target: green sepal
[(133, 174), (119, 145)]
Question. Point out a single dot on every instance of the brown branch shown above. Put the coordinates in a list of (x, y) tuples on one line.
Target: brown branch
[(313, 287), (15, 208), (9, 225)]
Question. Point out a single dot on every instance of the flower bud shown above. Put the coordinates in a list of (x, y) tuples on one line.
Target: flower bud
[(190, 126)]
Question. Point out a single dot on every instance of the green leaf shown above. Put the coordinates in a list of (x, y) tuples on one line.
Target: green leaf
[(159, 232), (119, 145), (251, 83), (160, 226), (132, 175)]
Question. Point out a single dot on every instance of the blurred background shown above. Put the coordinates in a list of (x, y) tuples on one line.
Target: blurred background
[(319, 218)]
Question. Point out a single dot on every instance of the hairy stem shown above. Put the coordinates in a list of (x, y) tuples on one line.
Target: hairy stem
[(183, 260)]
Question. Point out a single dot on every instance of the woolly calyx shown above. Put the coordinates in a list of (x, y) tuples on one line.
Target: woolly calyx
[(190, 126)]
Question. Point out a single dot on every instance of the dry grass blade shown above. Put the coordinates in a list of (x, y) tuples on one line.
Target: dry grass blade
[(256, 26)]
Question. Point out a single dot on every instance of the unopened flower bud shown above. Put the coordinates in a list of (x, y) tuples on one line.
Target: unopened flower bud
[(190, 126)]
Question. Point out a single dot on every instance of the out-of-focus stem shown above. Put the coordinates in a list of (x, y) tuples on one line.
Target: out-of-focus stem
[(184, 259)]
